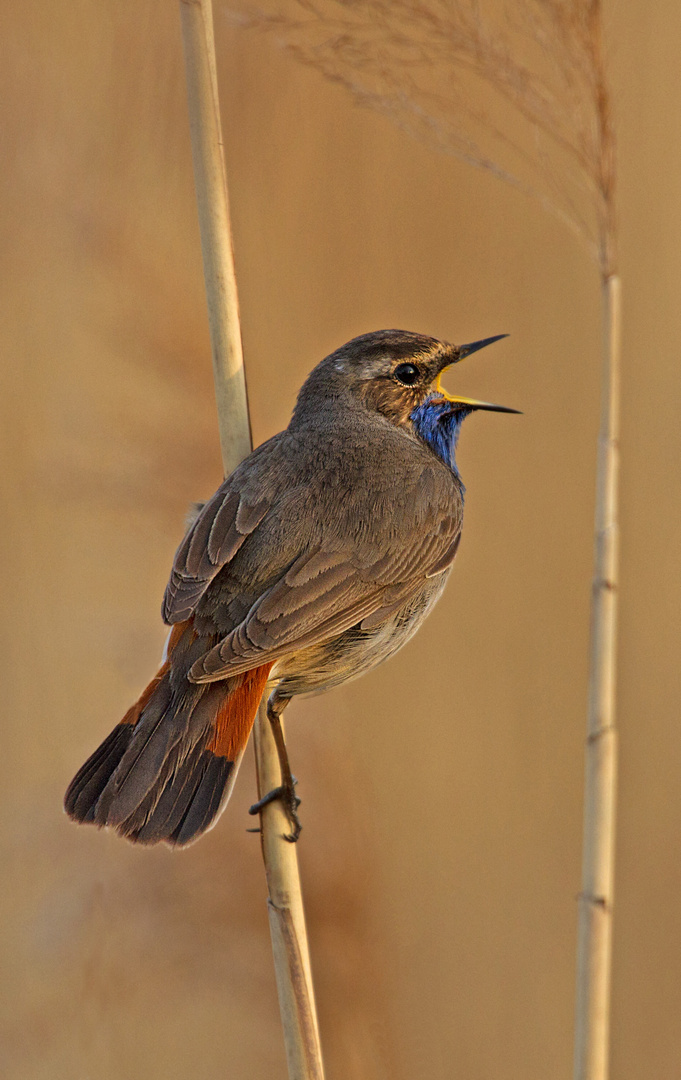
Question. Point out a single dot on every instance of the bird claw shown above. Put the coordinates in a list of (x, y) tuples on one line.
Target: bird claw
[(290, 801)]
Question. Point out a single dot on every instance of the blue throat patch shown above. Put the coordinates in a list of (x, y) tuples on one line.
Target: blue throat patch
[(438, 424)]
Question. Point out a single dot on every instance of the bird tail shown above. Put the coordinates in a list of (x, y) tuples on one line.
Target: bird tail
[(168, 768)]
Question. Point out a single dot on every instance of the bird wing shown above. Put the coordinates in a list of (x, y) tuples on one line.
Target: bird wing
[(213, 540), (349, 575), (225, 522)]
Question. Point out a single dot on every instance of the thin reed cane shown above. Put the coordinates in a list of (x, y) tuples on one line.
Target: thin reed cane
[(287, 918), (384, 53), (285, 905), (594, 949)]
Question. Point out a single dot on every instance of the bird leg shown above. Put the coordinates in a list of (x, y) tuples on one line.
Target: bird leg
[(286, 790)]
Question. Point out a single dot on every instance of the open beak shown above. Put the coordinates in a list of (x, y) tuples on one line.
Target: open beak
[(466, 350), (471, 403)]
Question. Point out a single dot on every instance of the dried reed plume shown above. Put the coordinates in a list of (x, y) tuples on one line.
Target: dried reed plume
[(426, 65), (522, 95)]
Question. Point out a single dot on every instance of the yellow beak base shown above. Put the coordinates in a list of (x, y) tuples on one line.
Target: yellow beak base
[(471, 402)]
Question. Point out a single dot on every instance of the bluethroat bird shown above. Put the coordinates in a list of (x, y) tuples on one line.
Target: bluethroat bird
[(317, 559)]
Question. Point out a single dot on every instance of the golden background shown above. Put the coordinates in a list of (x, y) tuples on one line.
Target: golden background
[(442, 794)]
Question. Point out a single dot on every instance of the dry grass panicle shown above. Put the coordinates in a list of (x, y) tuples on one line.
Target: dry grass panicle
[(449, 73)]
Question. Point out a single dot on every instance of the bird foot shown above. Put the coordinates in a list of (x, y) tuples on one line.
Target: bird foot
[(286, 794)]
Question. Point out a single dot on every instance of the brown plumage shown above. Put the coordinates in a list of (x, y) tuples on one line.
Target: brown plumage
[(314, 561)]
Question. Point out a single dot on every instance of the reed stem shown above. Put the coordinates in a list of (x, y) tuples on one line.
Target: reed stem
[(594, 950), (287, 918), (285, 905), (216, 234)]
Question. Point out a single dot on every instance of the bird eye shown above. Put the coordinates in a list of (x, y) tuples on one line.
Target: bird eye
[(406, 374)]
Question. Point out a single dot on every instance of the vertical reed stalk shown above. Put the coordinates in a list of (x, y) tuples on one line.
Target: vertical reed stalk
[(216, 234), (363, 45), (287, 919), (592, 1023)]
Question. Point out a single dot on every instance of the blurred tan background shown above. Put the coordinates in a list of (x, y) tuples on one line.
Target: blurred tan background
[(444, 947)]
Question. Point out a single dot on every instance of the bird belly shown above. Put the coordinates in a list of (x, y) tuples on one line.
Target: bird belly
[(349, 655)]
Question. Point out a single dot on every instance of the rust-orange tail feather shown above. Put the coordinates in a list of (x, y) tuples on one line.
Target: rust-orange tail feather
[(167, 769)]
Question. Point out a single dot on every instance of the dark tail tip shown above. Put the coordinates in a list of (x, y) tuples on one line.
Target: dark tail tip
[(183, 803), (190, 802), (89, 782)]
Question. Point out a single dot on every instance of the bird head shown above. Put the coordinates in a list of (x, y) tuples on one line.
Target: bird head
[(397, 374)]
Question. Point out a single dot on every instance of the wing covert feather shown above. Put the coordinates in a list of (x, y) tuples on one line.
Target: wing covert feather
[(213, 541)]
